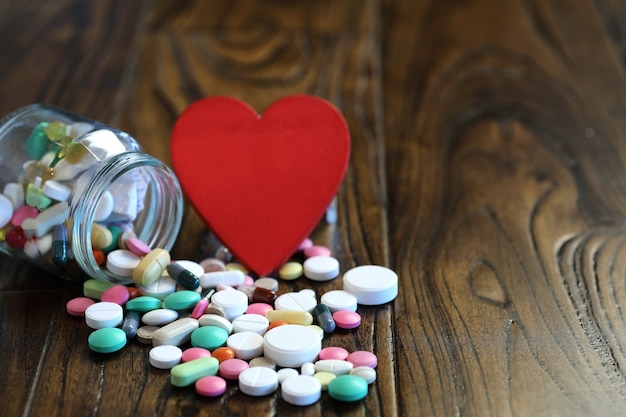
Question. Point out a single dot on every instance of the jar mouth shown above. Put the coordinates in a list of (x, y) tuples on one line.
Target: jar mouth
[(158, 219)]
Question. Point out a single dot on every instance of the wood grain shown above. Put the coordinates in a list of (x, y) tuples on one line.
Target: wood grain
[(487, 169)]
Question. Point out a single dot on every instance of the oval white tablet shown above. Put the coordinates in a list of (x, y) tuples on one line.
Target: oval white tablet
[(122, 262), (217, 321), (6, 210), (247, 345), (213, 279), (337, 300), (103, 314), (371, 284), (301, 390), (254, 323), (258, 381), (365, 372), (321, 268), (291, 345), (56, 191), (159, 317), (295, 301), (334, 366), (165, 356)]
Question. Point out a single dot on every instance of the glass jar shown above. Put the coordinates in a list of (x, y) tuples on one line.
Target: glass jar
[(65, 178)]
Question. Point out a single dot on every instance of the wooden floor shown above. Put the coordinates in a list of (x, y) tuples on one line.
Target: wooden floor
[(487, 169)]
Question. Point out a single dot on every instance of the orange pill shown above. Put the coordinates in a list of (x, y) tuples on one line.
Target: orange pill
[(276, 324), (99, 256), (134, 292), (223, 353)]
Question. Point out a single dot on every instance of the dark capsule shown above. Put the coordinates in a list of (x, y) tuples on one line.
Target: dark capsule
[(131, 323), (324, 318), (259, 294), (183, 276), (59, 245)]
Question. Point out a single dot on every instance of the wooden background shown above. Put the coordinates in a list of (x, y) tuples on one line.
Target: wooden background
[(487, 169)]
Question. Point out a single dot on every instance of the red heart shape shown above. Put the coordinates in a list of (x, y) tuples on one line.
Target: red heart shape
[(261, 183)]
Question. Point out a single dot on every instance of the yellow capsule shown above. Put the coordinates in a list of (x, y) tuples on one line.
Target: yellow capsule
[(101, 237), (290, 270), (151, 267), (290, 316)]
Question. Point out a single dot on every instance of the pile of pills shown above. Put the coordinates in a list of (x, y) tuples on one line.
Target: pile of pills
[(210, 323)]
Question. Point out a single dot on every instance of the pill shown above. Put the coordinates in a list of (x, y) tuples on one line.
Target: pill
[(44, 243), (104, 208), (143, 304), (235, 266), (233, 302), (231, 368), (35, 198), (159, 317), (215, 320), (30, 249), (215, 309), (122, 262), (317, 329), (6, 210), (210, 386), (200, 308), (160, 288), (255, 323), (295, 301), (247, 345), (339, 300), (209, 337), (212, 265), (144, 333), (258, 381), (363, 358), (214, 278), (321, 268), (267, 283), (365, 372), (192, 266), (56, 191), (107, 340), (176, 333), (123, 237), (223, 254), (316, 250), (324, 378), (165, 356), (307, 368), (371, 284), (301, 390), (333, 352), (335, 366), (77, 306), (306, 243), (259, 294), (103, 314), (15, 237), (136, 246), (101, 237), (194, 353), (258, 308), (290, 316), (290, 270), (348, 388), (347, 319), (14, 192), (324, 318), (263, 361), (309, 292), (151, 267), (99, 257), (130, 324), (47, 219), (285, 373), (291, 345), (223, 353), (117, 294), (22, 213), (115, 233), (94, 288), (182, 300), (188, 373), (183, 276), (59, 246)]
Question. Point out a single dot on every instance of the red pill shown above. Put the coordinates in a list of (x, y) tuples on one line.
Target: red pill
[(15, 237), (99, 256)]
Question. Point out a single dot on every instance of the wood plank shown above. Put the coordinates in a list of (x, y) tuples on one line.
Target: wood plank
[(505, 134)]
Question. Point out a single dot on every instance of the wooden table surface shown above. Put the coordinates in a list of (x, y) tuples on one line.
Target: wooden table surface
[(487, 169)]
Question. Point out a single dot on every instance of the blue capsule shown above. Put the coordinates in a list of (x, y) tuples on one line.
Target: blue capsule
[(59, 245), (131, 324), (183, 276), (324, 318)]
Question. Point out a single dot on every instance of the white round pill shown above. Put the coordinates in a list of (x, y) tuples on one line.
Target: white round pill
[(233, 302), (338, 300), (122, 262), (295, 301), (6, 210), (365, 372), (247, 345), (301, 390), (371, 284), (258, 381), (165, 356), (103, 314), (56, 191), (159, 317), (104, 207), (160, 288), (309, 292), (321, 268), (291, 345), (285, 373), (254, 323), (307, 368)]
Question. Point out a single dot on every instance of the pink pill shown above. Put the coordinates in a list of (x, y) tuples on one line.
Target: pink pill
[(211, 386), (117, 294), (317, 250), (306, 243), (259, 308), (23, 213), (231, 368), (77, 306), (363, 358), (195, 353), (333, 352), (347, 319), (248, 281), (212, 265), (137, 247)]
